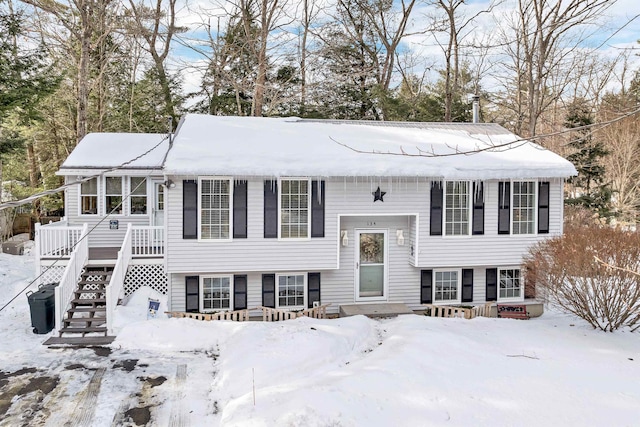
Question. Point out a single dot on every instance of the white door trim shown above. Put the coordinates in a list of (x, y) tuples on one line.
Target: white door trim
[(385, 278)]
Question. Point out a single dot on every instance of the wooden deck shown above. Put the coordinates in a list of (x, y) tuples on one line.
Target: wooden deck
[(79, 341), (375, 310)]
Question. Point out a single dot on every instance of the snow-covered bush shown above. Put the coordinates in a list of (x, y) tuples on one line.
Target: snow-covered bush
[(592, 271)]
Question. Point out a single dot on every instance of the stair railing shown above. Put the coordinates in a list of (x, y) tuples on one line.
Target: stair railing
[(116, 284), (69, 281)]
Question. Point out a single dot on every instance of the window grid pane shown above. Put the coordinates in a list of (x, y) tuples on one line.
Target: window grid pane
[(291, 291), (89, 197), (510, 283), (294, 211), (113, 195), (446, 286), (215, 211), (216, 293), (524, 204), (457, 208), (138, 198)]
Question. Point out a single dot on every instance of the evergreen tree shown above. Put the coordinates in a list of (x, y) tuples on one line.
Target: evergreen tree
[(590, 189)]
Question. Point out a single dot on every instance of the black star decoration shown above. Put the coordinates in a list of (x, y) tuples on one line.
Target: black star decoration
[(378, 195)]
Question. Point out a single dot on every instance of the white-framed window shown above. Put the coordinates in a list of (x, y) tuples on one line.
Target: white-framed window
[(138, 197), (447, 286), (295, 215), (290, 291), (216, 293), (215, 196), (457, 208), (113, 195), (523, 207), (89, 197), (510, 284)]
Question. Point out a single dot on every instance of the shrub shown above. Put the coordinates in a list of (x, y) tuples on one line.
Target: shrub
[(592, 271)]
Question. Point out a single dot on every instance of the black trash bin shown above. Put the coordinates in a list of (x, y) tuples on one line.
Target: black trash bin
[(42, 304)]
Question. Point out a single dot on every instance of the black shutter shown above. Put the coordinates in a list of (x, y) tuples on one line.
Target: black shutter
[(478, 208), (192, 294), (269, 290), (240, 209), (492, 284), (239, 291), (504, 207), (270, 209), (436, 209), (189, 209), (426, 286), (317, 209), (467, 285), (543, 207), (313, 288)]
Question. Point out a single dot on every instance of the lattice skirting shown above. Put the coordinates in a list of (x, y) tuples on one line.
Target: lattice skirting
[(151, 275), (51, 274)]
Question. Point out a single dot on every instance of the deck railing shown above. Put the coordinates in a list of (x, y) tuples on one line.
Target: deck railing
[(116, 284), (147, 241), (69, 281), (54, 240)]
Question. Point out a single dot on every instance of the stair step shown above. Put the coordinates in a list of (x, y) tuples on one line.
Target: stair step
[(101, 309), (99, 267), (86, 301), (83, 330), (84, 281), (81, 321), (79, 292)]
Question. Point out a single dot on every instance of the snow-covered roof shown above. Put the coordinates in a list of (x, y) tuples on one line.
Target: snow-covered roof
[(257, 146), (108, 150)]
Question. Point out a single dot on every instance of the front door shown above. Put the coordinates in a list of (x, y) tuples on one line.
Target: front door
[(158, 203), (371, 265)]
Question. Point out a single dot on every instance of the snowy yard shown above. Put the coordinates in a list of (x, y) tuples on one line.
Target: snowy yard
[(408, 371)]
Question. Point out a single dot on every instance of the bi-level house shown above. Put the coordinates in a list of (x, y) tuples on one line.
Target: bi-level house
[(238, 212)]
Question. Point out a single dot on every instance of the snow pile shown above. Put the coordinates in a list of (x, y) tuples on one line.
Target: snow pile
[(412, 370)]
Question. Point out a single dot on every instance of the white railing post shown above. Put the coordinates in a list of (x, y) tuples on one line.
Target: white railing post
[(64, 291), (148, 241), (116, 284), (36, 237)]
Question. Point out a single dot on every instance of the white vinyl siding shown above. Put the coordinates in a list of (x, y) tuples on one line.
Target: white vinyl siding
[(457, 208), (523, 207), (295, 215), (215, 196)]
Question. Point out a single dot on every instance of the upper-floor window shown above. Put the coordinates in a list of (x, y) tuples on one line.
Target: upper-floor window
[(457, 208), (215, 208), (113, 195), (294, 208), (89, 197), (138, 197), (524, 207)]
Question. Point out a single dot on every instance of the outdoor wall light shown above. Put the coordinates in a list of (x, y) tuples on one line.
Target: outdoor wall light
[(400, 237), (344, 237), (169, 184)]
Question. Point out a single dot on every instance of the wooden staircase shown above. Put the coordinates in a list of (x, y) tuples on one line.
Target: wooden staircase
[(87, 314)]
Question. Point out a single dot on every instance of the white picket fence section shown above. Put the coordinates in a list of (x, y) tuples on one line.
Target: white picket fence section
[(69, 281), (115, 288), (147, 241)]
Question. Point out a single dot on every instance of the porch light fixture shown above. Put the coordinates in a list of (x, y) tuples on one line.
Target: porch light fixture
[(344, 237), (169, 184), (400, 237)]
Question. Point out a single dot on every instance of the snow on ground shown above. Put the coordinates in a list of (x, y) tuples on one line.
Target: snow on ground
[(412, 370)]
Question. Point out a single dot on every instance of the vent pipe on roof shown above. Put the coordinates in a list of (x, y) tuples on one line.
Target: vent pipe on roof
[(476, 108)]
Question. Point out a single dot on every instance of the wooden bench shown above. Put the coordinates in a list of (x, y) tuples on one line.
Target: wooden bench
[(513, 311)]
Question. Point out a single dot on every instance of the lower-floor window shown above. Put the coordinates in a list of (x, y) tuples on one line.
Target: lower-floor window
[(216, 293), (290, 290), (510, 283), (446, 286)]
